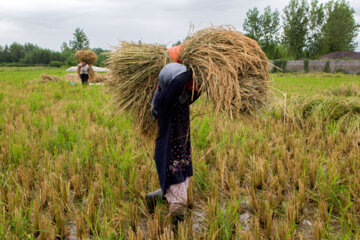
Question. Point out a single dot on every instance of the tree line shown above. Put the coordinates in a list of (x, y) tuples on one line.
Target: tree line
[(29, 54), (308, 30)]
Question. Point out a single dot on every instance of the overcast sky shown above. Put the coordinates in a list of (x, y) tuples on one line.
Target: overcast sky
[(48, 23)]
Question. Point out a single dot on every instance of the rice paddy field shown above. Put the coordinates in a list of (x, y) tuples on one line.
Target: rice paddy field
[(73, 169)]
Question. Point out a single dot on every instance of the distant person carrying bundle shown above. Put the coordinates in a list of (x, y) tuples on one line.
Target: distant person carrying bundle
[(83, 70), (173, 160)]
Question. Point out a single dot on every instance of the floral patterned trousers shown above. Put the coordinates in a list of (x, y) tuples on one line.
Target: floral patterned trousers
[(176, 195)]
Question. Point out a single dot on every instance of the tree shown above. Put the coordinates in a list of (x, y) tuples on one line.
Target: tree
[(264, 28), (2, 58), (316, 23), (340, 30), (29, 47), (296, 27), (270, 23), (80, 40), (270, 26), (101, 61), (6, 54), (102, 56), (181, 42), (67, 54), (65, 47), (177, 43), (16, 52), (66, 51), (252, 24), (38, 56)]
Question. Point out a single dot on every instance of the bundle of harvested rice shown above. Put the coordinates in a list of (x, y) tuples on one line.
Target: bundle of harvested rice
[(90, 58), (44, 79), (87, 56), (322, 111), (48, 78), (134, 73), (352, 90), (100, 78), (92, 74), (229, 67)]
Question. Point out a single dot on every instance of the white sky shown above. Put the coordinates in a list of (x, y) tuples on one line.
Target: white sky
[(48, 23)]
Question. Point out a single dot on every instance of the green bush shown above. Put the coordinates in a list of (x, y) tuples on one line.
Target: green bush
[(71, 61), (16, 64), (306, 65), (101, 59), (274, 51), (55, 64), (327, 67)]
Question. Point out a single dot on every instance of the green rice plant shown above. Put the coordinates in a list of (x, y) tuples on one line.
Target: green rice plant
[(64, 139), (201, 131), (36, 102), (224, 224)]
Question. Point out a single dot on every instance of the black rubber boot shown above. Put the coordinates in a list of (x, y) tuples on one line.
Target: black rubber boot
[(152, 198)]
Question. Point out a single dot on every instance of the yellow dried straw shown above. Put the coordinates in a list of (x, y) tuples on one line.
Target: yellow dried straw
[(87, 56), (90, 58), (230, 67), (134, 70)]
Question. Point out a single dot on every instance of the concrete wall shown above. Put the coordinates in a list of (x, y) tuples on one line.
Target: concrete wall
[(317, 65), (295, 66), (347, 66)]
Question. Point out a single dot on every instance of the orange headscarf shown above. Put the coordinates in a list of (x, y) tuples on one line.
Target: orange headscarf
[(174, 52)]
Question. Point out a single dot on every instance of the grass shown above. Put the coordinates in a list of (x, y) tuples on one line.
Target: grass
[(311, 83), (70, 167)]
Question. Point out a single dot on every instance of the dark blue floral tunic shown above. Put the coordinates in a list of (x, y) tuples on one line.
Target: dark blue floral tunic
[(173, 147)]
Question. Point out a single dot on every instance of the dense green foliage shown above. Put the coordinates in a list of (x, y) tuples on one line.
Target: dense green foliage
[(265, 28), (340, 29), (315, 34), (295, 27), (30, 54), (308, 29)]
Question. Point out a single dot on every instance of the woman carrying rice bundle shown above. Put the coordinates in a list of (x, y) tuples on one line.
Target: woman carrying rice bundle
[(170, 107), (83, 69)]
